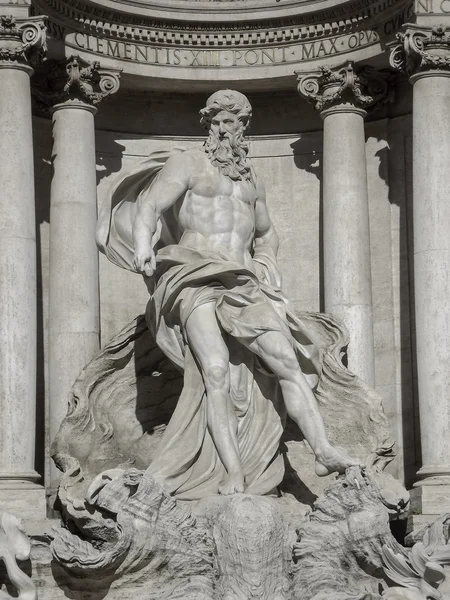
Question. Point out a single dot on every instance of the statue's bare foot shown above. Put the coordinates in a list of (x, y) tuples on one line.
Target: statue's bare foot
[(233, 483), (331, 461)]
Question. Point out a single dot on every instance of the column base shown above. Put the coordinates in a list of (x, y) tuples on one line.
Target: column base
[(430, 498), (11, 478), (21, 496), (433, 475)]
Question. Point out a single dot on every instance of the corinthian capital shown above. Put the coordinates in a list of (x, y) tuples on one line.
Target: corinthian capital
[(345, 86), (73, 81), (420, 49), (22, 41)]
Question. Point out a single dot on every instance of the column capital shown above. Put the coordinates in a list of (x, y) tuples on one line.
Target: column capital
[(421, 51), (345, 88), (73, 83), (22, 41)]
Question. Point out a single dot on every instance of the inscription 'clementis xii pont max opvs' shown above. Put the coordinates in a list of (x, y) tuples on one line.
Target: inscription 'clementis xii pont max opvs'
[(203, 239)]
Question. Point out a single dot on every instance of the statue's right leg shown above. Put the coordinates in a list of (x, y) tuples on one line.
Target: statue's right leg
[(205, 339)]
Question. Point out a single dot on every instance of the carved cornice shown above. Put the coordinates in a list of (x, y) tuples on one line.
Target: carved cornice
[(22, 41), (73, 81), (174, 32), (363, 88), (421, 49)]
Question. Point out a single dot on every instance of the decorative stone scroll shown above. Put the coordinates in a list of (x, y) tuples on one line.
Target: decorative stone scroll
[(421, 49), (22, 41), (365, 87), (74, 80)]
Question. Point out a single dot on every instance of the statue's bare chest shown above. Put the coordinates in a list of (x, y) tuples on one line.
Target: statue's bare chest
[(214, 187)]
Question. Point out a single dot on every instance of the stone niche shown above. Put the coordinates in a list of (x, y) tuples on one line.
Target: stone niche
[(117, 526)]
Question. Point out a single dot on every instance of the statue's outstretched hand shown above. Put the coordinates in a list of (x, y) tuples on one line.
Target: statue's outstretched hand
[(145, 261)]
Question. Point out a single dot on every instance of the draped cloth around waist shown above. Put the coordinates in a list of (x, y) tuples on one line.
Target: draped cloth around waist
[(246, 307)]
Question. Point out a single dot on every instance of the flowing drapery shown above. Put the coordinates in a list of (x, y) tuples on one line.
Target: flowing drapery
[(247, 304)]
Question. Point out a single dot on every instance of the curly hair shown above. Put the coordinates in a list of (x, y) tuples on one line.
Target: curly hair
[(229, 100)]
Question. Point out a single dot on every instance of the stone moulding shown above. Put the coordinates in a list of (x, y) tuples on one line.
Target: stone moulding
[(22, 41), (157, 54), (103, 21), (365, 87), (419, 49), (73, 80)]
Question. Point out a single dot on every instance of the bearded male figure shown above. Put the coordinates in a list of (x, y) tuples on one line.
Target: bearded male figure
[(195, 224)]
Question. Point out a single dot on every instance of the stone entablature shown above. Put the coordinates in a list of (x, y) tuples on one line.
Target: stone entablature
[(213, 34), (161, 51)]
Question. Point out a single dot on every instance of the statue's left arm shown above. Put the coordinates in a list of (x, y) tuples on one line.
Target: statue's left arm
[(266, 241)]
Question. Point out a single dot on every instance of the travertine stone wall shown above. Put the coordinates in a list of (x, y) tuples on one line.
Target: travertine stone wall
[(291, 166)]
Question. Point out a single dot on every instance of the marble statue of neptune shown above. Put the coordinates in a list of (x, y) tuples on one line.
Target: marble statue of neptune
[(195, 224)]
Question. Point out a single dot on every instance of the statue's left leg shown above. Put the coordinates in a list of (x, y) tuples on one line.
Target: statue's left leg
[(276, 351)]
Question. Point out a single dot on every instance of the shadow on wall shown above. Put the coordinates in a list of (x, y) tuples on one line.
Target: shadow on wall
[(393, 170), (43, 175), (311, 162), (397, 161), (109, 162)]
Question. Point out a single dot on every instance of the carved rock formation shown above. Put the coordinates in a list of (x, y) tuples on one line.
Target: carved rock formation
[(233, 548), (128, 522), (338, 553), (252, 546), (419, 571)]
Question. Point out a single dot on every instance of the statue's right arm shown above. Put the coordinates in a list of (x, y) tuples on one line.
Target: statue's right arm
[(173, 181)]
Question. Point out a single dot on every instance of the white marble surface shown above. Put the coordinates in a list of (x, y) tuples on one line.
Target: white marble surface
[(73, 280), (431, 147), (346, 235), (18, 281)]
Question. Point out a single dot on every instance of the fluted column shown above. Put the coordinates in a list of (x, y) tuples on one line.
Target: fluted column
[(424, 55), (75, 89), (341, 96), (22, 41)]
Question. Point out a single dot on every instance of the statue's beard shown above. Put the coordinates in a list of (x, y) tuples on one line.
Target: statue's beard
[(229, 155)]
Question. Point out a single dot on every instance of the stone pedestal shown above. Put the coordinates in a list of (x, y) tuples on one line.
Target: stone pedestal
[(18, 477), (342, 95), (424, 54)]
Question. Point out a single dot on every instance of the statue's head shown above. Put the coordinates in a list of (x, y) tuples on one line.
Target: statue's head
[(227, 117), (228, 101)]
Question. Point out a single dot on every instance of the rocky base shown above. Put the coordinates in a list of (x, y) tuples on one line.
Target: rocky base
[(144, 545), (132, 540)]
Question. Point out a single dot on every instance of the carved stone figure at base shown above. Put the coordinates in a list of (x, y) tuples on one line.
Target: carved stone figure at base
[(198, 229), (15, 546)]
